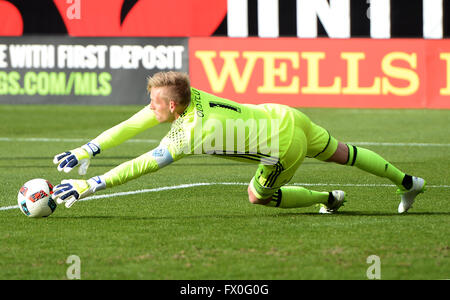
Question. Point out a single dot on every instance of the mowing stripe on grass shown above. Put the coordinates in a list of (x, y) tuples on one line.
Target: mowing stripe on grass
[(57, 140), (68, 140), (399, 144), (190, 185)]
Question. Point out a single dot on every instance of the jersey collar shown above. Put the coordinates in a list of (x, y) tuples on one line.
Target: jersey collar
[(188, 109)]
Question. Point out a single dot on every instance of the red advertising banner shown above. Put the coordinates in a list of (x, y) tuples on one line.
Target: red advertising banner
[(360, 73), (105, 18)]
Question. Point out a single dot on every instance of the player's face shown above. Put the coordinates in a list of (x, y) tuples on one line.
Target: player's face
[(160, 105)]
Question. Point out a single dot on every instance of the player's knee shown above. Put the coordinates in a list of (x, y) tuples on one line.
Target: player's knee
[(251, 197), (341, 154), (255, 200)]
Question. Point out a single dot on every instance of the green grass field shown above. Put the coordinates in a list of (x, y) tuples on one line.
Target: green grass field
[(211, 231)]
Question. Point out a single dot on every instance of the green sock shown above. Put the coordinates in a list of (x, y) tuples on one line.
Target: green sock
[(373, 163), (293, 196)]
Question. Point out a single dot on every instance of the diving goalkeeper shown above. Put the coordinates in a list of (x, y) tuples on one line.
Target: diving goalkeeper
[(276, 137)]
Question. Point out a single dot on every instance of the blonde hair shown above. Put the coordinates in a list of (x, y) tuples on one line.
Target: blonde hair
[(177, 83)]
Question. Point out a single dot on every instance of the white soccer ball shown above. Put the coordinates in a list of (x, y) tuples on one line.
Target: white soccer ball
[(35, 200)]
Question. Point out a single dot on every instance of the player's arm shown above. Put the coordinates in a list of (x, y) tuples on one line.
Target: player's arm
[(142, 120), (147, 163), (139, 122), (69, 191), (171, 148)]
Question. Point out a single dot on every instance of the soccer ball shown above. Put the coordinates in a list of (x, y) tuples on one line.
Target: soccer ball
[(35, 200)]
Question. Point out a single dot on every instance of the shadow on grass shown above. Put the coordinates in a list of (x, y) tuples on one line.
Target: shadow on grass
[(344, 214), (368, 214)]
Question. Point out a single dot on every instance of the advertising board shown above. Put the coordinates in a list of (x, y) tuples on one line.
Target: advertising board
[(64, 70), (366, 73)]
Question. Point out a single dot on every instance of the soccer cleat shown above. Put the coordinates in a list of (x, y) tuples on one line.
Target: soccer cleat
[(338, 201), (408, 196)]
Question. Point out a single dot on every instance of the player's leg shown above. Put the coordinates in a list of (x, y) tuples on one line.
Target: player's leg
[(295, 197), (286, 196), (323, 146), (326, 148), (268, 188), (371, 162)]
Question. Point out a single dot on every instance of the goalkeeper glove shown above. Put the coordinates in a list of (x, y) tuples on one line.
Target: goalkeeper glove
[(71, 190), (80, 156)]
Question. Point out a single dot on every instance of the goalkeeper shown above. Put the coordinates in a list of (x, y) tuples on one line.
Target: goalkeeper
[(276, 137)]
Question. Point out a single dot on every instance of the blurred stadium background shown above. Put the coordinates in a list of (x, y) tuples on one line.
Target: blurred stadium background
[(377, 53)]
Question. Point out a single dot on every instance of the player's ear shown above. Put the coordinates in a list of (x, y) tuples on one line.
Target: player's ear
[(172, 105)]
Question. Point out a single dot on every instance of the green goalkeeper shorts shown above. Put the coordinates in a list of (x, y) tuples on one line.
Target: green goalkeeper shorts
[(309, 140)]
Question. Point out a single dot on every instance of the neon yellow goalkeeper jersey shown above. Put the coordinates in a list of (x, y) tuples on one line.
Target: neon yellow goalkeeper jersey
[(211, 125)]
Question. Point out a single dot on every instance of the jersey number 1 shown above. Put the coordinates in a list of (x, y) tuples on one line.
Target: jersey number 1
[(223, 105)]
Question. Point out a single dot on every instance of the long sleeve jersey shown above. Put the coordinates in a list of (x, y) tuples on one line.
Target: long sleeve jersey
[(209, 125)]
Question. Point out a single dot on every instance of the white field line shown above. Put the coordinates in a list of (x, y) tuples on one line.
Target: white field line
[(57, 140), (191, 185), (400, 144)]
